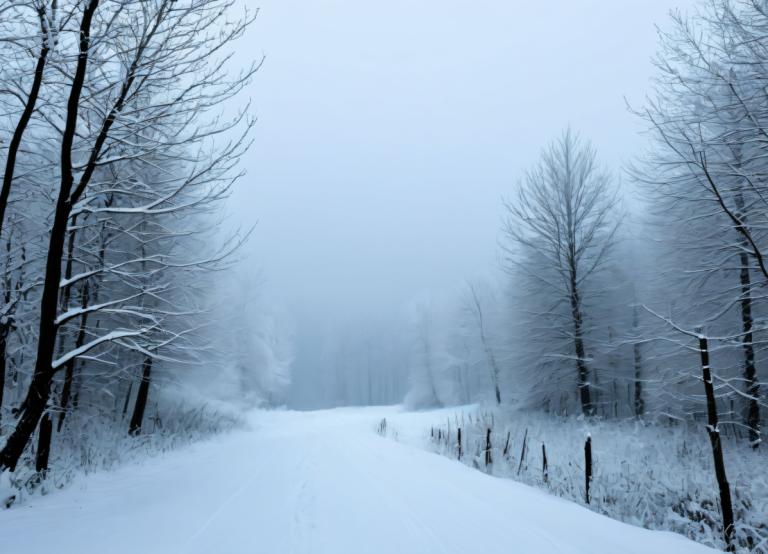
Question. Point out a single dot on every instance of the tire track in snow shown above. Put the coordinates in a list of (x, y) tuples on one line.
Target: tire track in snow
[(302, 524), (220, 509), (396, 503)]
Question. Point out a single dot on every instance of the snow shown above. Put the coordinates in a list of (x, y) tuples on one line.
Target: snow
[(316, 483)]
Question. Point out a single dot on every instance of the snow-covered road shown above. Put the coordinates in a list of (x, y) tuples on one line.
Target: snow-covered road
[(314, 483)]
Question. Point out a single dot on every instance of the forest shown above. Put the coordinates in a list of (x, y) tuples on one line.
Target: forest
[(625, 320)]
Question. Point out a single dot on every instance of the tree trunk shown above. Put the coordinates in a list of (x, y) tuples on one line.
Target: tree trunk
[(752, 415), (35, 402), (26, 115), (6, 324), (751, 383), (494, 371), (582, 371), (69, 368), (142, 395), (638, 361), (127, 401), (4, 329), (578, 343), (717, 447), (44, 445)]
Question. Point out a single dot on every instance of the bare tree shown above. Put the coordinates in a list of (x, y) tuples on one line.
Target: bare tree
[(559, 230), (474, 306)]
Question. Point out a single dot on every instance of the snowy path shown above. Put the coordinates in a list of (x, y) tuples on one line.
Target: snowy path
[(314, 483)]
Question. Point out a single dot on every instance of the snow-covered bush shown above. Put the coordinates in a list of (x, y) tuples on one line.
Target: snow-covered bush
[(100, 443)]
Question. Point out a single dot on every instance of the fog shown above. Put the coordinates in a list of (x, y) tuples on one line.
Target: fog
[(272, 243), (388, 134)]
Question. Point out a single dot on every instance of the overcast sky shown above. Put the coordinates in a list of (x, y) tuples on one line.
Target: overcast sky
[(389, 132)]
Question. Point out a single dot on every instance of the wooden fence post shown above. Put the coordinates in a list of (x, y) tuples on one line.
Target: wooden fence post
[(522, 452), (587, 467), (488, 459), (717, 448)]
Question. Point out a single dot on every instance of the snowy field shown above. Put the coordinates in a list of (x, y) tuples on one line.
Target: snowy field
[(315, 483)]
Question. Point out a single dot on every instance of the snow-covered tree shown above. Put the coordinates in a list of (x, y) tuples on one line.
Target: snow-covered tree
[(705, 174), (559, 231), (143, 158)]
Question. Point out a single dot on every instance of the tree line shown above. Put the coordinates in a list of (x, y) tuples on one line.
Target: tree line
[(609, 283), (118, 144)]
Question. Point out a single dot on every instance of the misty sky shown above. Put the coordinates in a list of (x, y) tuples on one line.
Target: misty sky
[(389, 131)]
